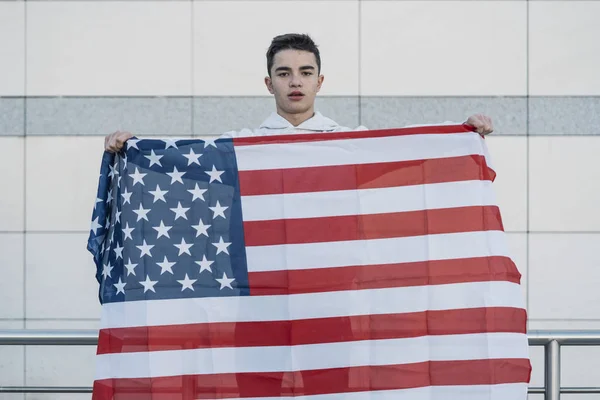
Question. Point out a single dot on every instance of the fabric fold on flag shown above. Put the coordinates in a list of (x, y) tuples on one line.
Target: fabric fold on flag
[(332, 266)]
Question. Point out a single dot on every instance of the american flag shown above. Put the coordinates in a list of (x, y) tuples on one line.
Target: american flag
[(350, 265)]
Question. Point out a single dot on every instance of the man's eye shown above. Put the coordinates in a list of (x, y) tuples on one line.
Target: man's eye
[(283, 74), (308, 73)]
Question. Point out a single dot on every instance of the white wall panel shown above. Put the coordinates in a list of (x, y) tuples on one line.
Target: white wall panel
[(509, 160), (62, 181), (11, 284), (11, 184), (564, 48), (12, 45), (108, 48), (564, 183), (60, 277), (564, 276), (12, 363), (435, 48), (232, 37)]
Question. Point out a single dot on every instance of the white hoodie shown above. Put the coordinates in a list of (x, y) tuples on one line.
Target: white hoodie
[(275, 124)]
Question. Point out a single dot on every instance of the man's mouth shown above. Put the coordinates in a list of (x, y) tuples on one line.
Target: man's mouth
[(296, 95)]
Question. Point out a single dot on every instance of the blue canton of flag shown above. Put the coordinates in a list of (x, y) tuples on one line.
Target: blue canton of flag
[(167, 222)]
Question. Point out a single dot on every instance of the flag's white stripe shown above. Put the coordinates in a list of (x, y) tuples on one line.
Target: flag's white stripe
[(368, 201), (444, 246), (311, 305), (358, 151), (313, 356), (505, 391)]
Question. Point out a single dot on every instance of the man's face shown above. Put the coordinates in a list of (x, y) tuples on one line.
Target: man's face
[(294, 81)]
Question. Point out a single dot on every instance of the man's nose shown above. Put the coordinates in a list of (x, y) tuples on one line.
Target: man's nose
[(295, 81)]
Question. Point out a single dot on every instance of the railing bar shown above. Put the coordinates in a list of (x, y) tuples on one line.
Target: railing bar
[(580, 390), (552, 371), (536, 390), (45, 389), (90, 337), (85, 389)]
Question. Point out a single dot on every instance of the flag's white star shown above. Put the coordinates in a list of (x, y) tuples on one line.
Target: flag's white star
[(120, 286), (126, 196), (215, 175), (201, 229), (145, 249), (180, 211), (107, 224), (192, 157), (142, 213), (158, 194), (132, 143), (130, 268), (110, 197), (170, 143), (125, 163), (197, 193), (127, 232), (225, 281), (204, 264), (166, 266), (137, 177), (162, 230), (176, 175), (210, 142), (154, 158), (106, 270), (222, 246), (118, 216), (112, 235), (118, 251), (218, 210), (184, 247), (187, 283), (119, 182), (148, 284), (95, 226), (113, 171), (99, 200)]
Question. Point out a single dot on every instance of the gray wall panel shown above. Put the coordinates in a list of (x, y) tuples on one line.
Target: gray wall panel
[(564, 116), (509, 114), (100, 116), (216, 115), (12, 111)]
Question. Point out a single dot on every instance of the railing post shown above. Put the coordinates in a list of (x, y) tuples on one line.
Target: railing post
[(552, 364)]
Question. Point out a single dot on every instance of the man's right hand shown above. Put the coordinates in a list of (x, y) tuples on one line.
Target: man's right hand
[(115, 141)]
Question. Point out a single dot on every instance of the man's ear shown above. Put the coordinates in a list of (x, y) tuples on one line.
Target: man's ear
[(269, 84), (320, 82)]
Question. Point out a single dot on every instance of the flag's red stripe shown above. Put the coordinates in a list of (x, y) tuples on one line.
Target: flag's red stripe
[(312, 331), (372, 226), (375, 133), (433, 272), (364, 176), (314, 382)]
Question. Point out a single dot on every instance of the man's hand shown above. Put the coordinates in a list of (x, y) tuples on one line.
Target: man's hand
[(115, 141), (481, 123)]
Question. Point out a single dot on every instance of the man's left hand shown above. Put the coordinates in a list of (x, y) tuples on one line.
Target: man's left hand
[(481, 123)]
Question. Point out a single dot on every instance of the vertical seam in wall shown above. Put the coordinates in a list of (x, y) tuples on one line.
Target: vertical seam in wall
[(25, 187), (359, 62), (527, 227), (192, 97)]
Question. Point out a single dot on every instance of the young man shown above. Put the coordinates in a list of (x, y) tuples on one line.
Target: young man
[(294, 78)]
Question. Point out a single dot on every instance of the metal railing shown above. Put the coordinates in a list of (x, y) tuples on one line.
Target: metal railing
[(551, 340)]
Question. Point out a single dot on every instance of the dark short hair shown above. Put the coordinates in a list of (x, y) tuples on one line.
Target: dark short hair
[(293, 41)]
